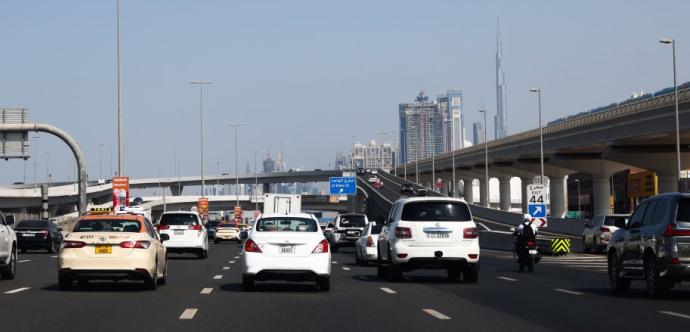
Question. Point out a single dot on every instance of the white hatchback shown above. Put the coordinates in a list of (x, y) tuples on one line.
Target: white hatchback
[(288, 247), (186, 231)]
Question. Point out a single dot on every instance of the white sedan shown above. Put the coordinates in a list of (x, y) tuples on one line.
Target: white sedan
[(288, 247), (373, 179), (365, 246)]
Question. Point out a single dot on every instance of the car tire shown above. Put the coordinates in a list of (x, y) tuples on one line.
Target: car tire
[(324, 283), (10, 270), (51, 247), (381, 271), (24, 250), (618, 285), (164, 279), (358, 261), (247, 283), (394, 272), (656, 285), (64, 283), (470, 275)]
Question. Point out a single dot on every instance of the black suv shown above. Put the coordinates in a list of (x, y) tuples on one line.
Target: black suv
[(407, 189), (654, 246), (38, 234)]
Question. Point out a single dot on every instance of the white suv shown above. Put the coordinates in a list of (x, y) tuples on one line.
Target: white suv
[(186, 231), (429, 233), (8, 248)]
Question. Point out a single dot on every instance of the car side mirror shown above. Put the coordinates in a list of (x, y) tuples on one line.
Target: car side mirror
[(244, 235), (9, 219), (164, 237)]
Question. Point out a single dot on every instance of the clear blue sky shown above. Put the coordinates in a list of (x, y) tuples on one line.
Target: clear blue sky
[(306, 75)]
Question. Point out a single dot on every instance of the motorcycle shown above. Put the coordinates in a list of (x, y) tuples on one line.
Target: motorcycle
[(527, 255)]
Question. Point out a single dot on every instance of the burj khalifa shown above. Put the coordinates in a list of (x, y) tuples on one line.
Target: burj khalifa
[(501, 117)]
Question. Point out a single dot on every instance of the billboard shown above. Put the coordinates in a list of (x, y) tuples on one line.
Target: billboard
[(120, 193)]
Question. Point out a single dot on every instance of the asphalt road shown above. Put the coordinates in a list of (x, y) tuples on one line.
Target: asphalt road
[(565, 294)]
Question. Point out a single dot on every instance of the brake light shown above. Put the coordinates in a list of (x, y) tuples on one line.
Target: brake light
[(195, 227), (403, 232), (322, 247), (470, 233), (473, 256), (605, 230), (401, 255), (531, 244), (251, 246), (137, 245), (671, 230), (163, 227), (73, 244), (675, 261), (370, 242)]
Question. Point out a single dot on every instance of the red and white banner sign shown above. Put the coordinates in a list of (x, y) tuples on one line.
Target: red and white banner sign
[(120, 192)]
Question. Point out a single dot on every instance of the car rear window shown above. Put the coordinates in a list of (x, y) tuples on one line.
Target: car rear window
[(683, 215), (107, 225), (286, 224), (352, 221), (436, 211), (611, 221), (179, 219), (32, 224)]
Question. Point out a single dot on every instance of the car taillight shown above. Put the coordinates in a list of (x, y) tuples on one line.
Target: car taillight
[(322, 247), (473, 256), (370, 242), (531, 244), (163, 227), (605, 230), (401, 255), (195, 227), (403, 232), (251, 246), (470, 233), (73, 244), (675, 261), (43, 233), (671, 230), (137, 245)]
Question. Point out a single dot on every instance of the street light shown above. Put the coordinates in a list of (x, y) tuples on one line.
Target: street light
[(35, 158), (486, 162), (256, 182), (237, 171), (100, 161), (579, 208), (201, 127), (541, 137), (382, 159), (452, 150), (120, 143), (352, 157), (675, 95)]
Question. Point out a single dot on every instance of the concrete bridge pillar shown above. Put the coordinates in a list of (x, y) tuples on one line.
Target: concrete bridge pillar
[(504, 191), (557, 196), (483, 193), (523, 187), (468, 190), (176, 190)]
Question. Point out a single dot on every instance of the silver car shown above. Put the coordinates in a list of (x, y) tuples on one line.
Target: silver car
[(598, 230)]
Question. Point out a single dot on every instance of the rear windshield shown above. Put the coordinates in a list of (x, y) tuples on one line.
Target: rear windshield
[(683, 215), (376, 229), (611, 221), (108, 225), (352, 221), (436, 211), (32, 224), (286, 224), (179, 219)]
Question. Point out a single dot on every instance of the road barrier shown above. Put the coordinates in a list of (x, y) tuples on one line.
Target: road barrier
[(560, 246)]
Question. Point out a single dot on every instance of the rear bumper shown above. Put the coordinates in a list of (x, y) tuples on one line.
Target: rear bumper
[(32, 243), (138, 274), (220, 236), (287, 275), (133, 267), (259, 264), (183, 246), (438, 263), (679, 272)]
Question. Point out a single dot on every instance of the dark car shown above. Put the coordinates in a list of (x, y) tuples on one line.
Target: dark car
[(38, 234), (211, 229), (654, 245), (406, 189), (422, 192)]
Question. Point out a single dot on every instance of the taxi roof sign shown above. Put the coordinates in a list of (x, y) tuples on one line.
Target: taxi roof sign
[(105, 210)]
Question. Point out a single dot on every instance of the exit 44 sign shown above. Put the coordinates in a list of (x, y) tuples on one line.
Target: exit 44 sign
[(536, 204)]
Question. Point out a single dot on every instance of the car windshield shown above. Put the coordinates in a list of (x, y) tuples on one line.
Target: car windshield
[(436, 211), (178, 219), (611, 221), (32, 224), (286, 224), (376, 229), (683, 215), (107, 225), (352, 221)]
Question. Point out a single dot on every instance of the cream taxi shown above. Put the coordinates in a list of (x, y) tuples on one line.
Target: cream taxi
[(105, 246)]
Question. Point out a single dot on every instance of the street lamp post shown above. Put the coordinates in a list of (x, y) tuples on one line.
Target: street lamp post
[(486, 162), (541, 137), (120, 134), (201, 128), (100, 161), (35, 158), (675, 95), (452, 156), (579, 208), (352, 157), (256, 182), (237, 170)]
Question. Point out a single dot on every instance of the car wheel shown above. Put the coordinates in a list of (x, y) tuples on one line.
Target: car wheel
[(380, 269), (164, 279), (618, 284), (595, 245), (51, 247), (470, 275), (656, 285), (11, 270), (394, 272), (247, 283), (64, 283), (324, 283), (454, 273), (152, 282)]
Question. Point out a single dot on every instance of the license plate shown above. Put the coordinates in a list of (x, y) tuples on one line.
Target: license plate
[(532, 252), (179, 232), (437, 235), (28, 235), (104, 249), (287, 249)]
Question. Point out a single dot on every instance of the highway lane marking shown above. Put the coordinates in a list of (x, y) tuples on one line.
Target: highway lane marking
[(232, 262), (388, 290), (568, 291), (206, 291), (188, 313), (335, 262), (218, 276), (24, 260), (55, 256), (236, 257), (17, 290), (225, 268), (436, 314), (507, 278), (346, 268), (671, 313)]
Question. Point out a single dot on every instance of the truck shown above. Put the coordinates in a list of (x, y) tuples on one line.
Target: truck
[(282, 203)]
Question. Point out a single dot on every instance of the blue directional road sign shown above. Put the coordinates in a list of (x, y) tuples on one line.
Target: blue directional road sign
[(537, 210), (343, 185)]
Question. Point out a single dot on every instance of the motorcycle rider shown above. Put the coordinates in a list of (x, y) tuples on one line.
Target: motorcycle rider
[(526, 231)]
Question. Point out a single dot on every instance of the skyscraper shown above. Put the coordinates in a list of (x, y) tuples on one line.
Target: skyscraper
[(501, 117), (455, 135), (422, 129), (477, 133)]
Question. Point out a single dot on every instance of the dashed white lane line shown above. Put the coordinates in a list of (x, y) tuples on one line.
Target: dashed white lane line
[(335, 262), (188, 313), (225, 268), (436, 314), (346, 268), (17, 290), (206, 291), (218, 276), (231, 262), (568, 291), (675, 314), (236, 257), (54, 256), (24, 260), (388, 290), (507, 278)]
